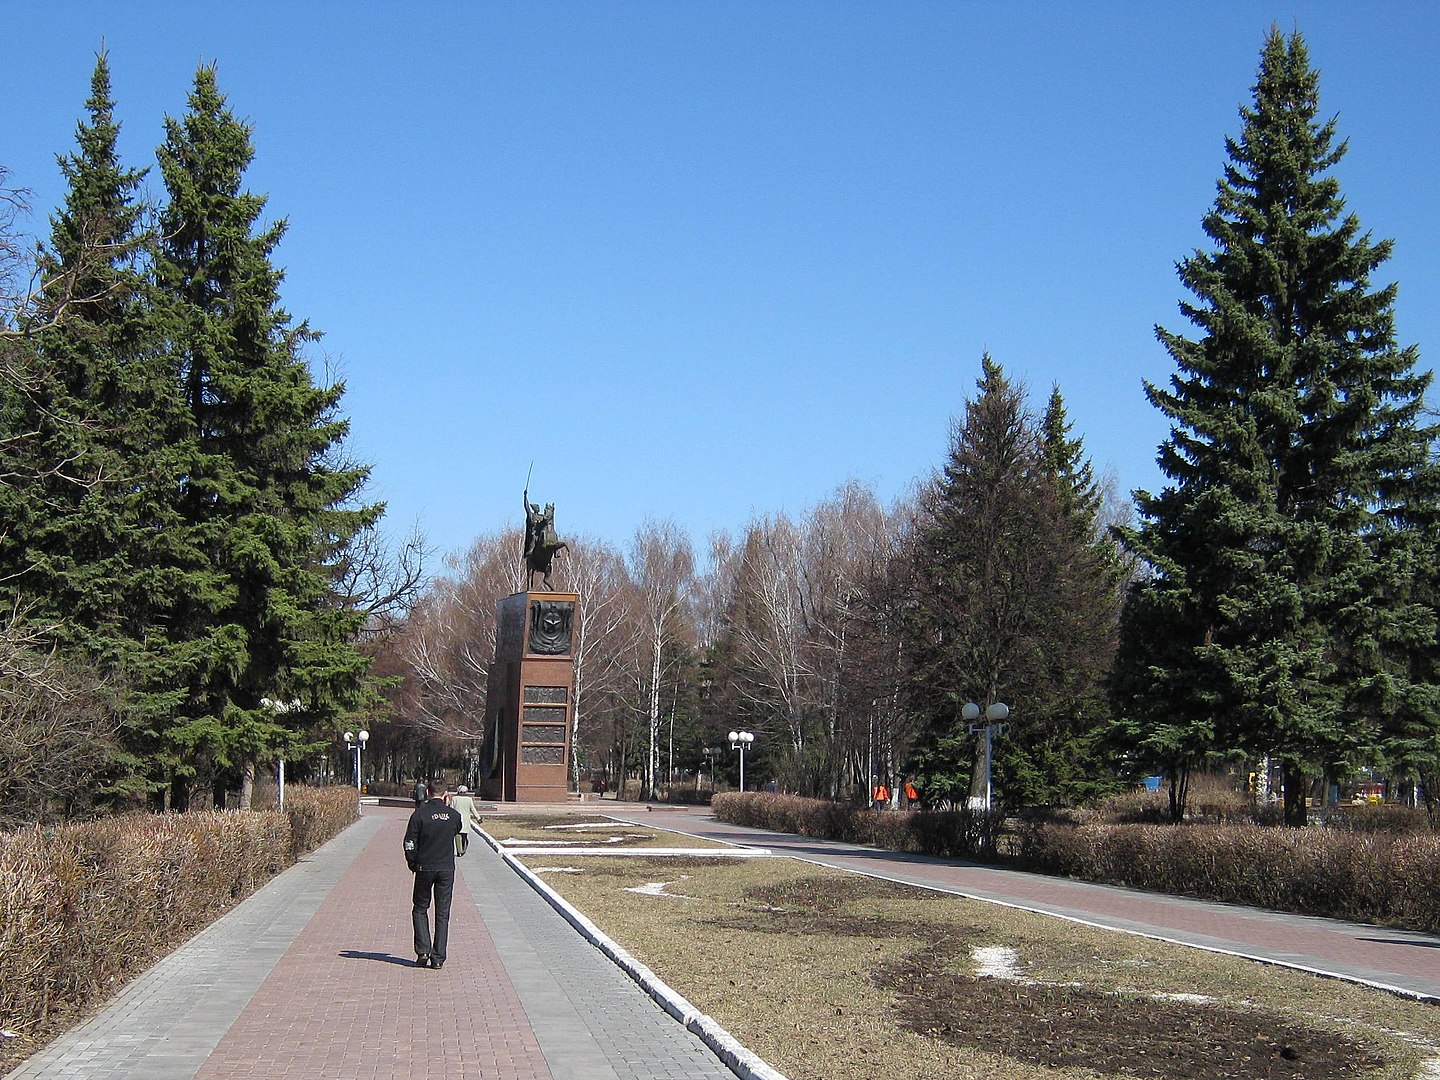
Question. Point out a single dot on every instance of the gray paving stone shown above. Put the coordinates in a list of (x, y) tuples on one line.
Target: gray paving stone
[(589, 1018)]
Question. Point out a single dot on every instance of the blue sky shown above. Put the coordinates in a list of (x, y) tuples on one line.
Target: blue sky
[(703, 261)]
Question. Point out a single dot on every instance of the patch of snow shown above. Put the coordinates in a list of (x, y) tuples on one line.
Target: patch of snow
[(1429, 1070), (996, 962), (1186, 999), (512, 842), (657, 888), (585, 825), (556, 870)]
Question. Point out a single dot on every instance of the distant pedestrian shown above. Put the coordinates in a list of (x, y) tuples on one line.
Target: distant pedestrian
[(600, 787), (880, 797), (420, 792), (462, 803), (430, 854)]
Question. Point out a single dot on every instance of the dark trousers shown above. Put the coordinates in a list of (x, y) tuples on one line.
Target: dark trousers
[(442, 883)]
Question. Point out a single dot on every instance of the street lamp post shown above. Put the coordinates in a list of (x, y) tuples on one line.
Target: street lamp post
[(741, 741), (995, 713), (710, 753), (280, 707), (357, 742)]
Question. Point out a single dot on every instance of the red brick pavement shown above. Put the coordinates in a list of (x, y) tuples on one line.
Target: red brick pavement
[(345, 1002)]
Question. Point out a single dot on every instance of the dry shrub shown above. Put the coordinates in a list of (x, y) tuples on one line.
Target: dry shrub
[(1388, 878), (318, 814), (1139, 807), (954, 834), (1217, 798), (1364, 877), (1382, 818), (84, 907)]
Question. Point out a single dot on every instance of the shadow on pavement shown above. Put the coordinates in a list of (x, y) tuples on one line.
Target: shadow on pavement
[(1403, 941), (379, 957)]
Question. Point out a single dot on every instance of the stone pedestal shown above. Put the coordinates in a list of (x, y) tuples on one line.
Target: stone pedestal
[(529, 701)]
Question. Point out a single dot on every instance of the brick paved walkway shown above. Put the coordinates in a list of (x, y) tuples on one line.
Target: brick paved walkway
[(1394, 959), (313, 977)]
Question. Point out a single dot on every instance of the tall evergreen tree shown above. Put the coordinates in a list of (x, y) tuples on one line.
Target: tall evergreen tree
[(267, 506), (63, 431), (966, 626), (82, 420), (1078, 619), (1284, 549), (1013, 600)]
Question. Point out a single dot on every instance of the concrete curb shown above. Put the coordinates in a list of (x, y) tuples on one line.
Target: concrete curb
[(743, 1062)]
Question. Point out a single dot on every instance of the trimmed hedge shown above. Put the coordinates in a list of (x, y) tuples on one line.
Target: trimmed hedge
[(1370, 877), (956, 834), (85, 907), (1352, 871)]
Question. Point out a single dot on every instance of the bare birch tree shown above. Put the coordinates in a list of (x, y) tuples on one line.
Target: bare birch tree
[(662, 566), (605, 637)]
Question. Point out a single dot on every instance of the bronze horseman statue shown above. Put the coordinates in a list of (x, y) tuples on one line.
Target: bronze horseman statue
[(541, 542)]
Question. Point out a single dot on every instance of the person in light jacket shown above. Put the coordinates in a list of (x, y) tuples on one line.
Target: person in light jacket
[(464, 805)]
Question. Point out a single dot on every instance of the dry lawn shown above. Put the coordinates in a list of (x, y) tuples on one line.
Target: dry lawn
[(833, 976), (583, 830)]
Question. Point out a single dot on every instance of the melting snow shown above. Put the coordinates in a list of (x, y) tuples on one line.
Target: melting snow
[(996, 962), (657, 888)]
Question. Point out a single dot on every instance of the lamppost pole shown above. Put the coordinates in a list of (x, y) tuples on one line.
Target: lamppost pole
[(280, 707), (741, 740), (357, 741), (995, 713)]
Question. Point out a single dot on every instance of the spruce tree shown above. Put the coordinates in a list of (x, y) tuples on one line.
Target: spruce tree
[(965, 639), (1283, 549), (79, 466), (1077, 618), (267, 507)]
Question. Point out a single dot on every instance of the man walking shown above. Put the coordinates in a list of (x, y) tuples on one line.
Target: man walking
[(430, 853)]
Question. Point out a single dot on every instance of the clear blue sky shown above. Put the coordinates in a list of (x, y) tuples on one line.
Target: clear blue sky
[(707, 260)]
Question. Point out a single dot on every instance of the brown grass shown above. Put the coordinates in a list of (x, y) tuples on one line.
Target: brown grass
[(609, 833), (832, 976)]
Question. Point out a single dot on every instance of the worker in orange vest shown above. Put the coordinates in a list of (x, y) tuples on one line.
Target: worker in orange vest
[(880, 796)]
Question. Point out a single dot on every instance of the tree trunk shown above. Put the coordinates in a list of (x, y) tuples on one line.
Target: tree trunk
[(247, 784), (1296, 792), (1179, 790)]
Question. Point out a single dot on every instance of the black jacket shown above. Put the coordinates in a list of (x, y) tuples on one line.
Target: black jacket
[(430, 836)]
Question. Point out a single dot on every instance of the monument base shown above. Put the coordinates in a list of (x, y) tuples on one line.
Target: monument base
[(529, 702)]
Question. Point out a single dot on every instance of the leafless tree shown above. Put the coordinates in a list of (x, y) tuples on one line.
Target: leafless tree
[(56, 727), (605, 638), (804, 640), (662, 566), (382, 580), (450, 636)]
